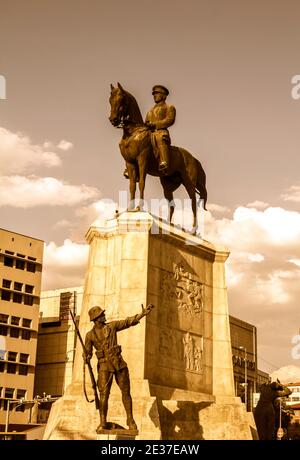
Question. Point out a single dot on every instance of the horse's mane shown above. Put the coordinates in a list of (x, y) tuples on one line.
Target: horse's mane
[(134, 108)]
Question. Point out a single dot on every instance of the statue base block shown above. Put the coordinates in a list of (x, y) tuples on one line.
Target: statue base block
[(179, 357)]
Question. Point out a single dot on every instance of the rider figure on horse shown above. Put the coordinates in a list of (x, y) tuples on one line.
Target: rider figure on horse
[(158, 120)]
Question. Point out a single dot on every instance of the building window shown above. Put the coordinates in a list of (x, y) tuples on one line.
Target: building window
[(26, 322), (21, 255), (65, 305), (28, 300), (21, 394), (9, 252), (14, 332), (29, 289), (11, 368), (12, 356), (24, 358), (2, 367), (31, 258), (20, 264), (17, 297), (3, 318), (9, 393), (18, 286), (6, 284), (23, 370), (5, 295), (3, 330), (8, 261), (25, 334), (2, 355), (31, 267), (15, 320)]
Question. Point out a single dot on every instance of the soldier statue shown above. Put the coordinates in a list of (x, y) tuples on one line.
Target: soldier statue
[(158, 120), (103, 337)]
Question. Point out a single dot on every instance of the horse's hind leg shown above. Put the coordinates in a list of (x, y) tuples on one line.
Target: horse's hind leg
[(169, 187), (169, 196), (190, 188)]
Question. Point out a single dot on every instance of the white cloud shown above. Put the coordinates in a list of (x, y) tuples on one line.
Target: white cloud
[(27, 192), (64, 223), (217, 208), (272, 226), (99, 210), (292, 194), (19, 155), (258, 204), (64, 265), (255, 257), (287, 374), (295, 262), (65, 145), (262, 273)]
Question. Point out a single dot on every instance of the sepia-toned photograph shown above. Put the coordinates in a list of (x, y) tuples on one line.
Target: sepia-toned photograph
[(149, 222)]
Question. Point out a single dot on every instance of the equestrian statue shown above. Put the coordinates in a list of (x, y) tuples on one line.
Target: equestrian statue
[(146, 149)]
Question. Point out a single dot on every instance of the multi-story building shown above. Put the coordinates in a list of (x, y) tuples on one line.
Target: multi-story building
[(244, 353), (294, 398), (21, 259), (56, 340), (244, 359)]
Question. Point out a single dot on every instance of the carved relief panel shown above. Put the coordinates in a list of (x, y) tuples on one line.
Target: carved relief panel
[(181, 320)]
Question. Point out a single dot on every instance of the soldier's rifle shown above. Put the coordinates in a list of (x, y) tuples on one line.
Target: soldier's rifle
[(87, 362)]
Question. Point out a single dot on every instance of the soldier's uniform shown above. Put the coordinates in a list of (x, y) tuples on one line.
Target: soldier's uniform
[(110, 361), (161, 117)]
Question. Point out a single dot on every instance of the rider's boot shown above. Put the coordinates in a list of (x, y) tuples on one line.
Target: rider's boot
[(125, 173), (164, 154)]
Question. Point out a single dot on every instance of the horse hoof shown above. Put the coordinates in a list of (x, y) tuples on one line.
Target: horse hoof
[(137, 209)]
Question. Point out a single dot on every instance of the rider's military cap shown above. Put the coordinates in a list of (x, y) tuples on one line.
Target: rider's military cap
[(160, 89), (95, 312)]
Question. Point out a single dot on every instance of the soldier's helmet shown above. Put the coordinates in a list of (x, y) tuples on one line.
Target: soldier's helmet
[(160, 89), (95, 312)]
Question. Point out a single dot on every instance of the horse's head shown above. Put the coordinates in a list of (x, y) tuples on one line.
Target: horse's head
[(118, 105)]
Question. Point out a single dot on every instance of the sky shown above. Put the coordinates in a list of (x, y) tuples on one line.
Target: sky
[(228, 66)]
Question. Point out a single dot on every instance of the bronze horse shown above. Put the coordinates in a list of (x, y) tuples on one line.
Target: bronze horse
[(139, 155)]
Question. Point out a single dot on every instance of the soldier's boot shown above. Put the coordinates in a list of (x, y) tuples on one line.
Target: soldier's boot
[(103, 423), (164, 155), (127, 401), (103, 414)]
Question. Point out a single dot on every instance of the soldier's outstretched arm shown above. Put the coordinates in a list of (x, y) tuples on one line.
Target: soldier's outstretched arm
[(133, 320)]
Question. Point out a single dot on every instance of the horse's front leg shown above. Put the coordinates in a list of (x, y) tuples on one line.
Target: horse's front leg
[(132, 184), (142, 163)]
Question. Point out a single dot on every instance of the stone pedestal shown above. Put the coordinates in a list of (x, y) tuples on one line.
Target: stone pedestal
[(179, 357)]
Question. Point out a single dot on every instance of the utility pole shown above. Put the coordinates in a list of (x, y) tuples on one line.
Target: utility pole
[(246, 385)]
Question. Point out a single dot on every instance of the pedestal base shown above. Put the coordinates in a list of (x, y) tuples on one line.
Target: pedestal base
[(73, 418), (179, 356)]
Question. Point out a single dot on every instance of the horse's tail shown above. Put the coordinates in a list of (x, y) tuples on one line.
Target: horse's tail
[(201, 184)]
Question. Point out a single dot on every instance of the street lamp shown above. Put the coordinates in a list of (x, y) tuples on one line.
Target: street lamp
[(37, 399), (244, 348)]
